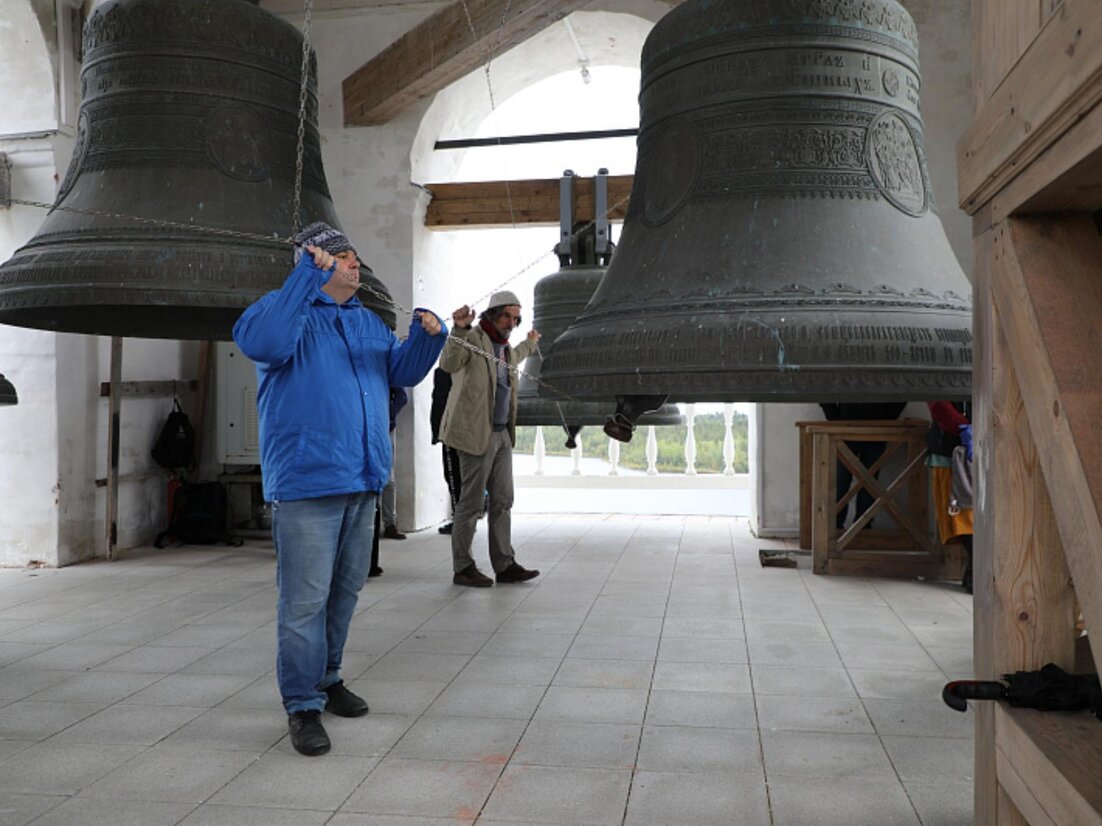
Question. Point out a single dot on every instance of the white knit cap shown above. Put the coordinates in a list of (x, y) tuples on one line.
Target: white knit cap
[(503, 298)]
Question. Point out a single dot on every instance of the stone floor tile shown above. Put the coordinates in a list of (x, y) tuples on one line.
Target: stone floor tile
[(213, 815), (123, 723), (800, 801), (931, 759), (83, 811), (484, 668), (945, 803), (471, 699), (802, 682), (922, 718), (578, 745), (702, 650), (282, 781), (61, 769), (169, 774), (190, 690), (593, 797), (425, 788), (894, 656), (693, 676), (96, 687), (21, 809), (592, 705), (704, 709), (901, 685), (798, 654), (663, 799), (821, 754), (604, 673), (605, 646), (30, 720), (688, 750), (470, 739), (832, 714), (232, 729)]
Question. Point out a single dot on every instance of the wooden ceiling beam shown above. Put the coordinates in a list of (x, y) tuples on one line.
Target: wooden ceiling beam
[(440, 50), (484, 204)]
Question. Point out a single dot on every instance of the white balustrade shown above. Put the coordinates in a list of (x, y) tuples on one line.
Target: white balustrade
[(576, 453), (540, 450), (652, 452), (728, 440), (690, 440), (614, 456)]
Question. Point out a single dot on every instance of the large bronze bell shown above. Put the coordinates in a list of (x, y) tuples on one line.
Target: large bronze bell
[(780, 244), (190, 115), (584, 250)]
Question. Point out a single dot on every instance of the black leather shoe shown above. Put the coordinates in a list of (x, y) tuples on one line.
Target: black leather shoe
[(473, 577), (307, 733), (445, 528), (392, 532), (376, 571), (343, 702), (515, 573)]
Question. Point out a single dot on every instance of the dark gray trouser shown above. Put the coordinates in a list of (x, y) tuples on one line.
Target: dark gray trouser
[(493, 472)]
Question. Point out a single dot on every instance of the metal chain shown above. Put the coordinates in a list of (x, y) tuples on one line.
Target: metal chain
[(296, 204)]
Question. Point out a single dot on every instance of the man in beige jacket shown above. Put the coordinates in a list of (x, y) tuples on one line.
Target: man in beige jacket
[(480, 423)]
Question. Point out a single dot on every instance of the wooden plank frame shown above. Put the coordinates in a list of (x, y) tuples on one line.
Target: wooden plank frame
[(481, 204), (908, 550), (440, 50), (1030, 173)]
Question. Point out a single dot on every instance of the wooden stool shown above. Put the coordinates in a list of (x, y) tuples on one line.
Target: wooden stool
[(907, 550)]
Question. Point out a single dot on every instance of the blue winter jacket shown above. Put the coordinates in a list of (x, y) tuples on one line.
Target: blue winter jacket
[(324, 374)]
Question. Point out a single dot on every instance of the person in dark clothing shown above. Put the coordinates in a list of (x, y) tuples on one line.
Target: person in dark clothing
[(398, 400), (867, 452), (951, 425), (441, 386)]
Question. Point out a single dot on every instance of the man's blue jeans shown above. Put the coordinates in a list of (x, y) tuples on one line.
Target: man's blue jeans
[(323, 551)]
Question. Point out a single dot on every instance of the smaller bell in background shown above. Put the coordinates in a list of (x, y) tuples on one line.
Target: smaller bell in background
[(584, 251), (7, 392)]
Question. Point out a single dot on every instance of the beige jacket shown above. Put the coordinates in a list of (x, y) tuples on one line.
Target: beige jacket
[(469, 414)]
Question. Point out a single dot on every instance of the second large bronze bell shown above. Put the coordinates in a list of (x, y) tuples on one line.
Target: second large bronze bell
[(780, 244), (189, 118), (584, 251)]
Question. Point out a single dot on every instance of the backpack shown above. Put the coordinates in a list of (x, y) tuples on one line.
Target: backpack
[(175, 446), (198, 516), (960, 486)]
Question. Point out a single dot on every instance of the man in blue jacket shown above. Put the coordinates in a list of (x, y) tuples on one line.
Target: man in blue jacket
[(325, 365)]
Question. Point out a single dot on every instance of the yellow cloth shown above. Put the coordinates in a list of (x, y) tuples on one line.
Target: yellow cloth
[(948, 526)]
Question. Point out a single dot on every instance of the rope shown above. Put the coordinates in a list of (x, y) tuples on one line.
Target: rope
[(230, 233)]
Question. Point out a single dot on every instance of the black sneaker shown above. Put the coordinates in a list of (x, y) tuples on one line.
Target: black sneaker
[(307, 733), (445, 528), (376, 571), (343, 702), (515, 573), (473, 577), (392, 532)]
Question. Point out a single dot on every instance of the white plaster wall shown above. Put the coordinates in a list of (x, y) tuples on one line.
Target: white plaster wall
[(27, 56), (945, 55)]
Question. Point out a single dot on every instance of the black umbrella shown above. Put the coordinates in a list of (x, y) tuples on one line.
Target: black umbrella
[(1050, 689)]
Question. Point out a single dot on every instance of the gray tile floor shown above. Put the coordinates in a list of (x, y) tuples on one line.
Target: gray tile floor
[(655, 674)]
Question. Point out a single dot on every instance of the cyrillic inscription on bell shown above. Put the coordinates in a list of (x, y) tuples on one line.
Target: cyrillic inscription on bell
[(189, 116), (780, 243)]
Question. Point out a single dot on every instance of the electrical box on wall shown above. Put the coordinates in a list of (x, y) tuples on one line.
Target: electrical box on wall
[(238, 422)]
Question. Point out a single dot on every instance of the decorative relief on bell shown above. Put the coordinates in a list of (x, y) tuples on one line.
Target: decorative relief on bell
[(894, 163)]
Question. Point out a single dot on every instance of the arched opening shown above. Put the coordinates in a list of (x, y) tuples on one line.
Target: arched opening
[(581, 75)]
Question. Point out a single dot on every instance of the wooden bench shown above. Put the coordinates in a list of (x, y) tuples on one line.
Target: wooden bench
[(907, 550)]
